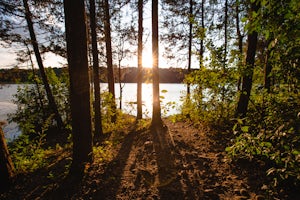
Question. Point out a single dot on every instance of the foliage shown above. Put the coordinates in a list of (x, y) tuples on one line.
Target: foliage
[(28, 155), (271, 134), (213, 95), (34, 115)]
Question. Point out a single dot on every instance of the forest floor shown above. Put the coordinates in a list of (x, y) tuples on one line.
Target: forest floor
[(131, 165)]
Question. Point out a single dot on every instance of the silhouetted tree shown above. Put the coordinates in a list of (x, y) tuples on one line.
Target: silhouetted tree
[(156, 113), (76, 36), (35, 46), (244, 97), (97, 105), (140, 60), (6, 165), (110, 76)]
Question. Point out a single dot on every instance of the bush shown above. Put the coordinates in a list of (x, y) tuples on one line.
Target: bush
[(271, 133)]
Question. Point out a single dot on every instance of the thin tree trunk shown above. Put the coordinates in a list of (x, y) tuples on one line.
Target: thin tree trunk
[(120, 81), (111, 81), (79, 84), (34, 43), (248, 73), (6, 165), (156, 114), (39, 99), (190, 45), (240, 40), (225, 34), (140, 61), (202, 39), (97, 105)]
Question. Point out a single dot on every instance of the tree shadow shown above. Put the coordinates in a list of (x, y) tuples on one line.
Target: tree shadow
[(169, 185), (111, 178)]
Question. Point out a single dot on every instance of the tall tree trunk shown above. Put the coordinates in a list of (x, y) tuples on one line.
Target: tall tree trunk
[(202, 39), (97, 105), (6, 165), (140, 61), (190, 44), (156, 114), (225, 34), (34, 43), (76, 36), (248, 72), (111, 79), (38, 99), (240, 40)]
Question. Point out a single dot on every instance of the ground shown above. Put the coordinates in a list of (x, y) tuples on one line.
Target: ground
[(192, 164)]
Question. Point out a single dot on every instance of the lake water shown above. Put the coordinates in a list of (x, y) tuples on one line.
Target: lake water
[(171, 93)]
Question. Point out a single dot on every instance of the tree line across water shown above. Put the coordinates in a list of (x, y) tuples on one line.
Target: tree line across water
[(128, 75)]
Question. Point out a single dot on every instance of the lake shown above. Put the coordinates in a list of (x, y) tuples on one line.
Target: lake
[(169, 93)]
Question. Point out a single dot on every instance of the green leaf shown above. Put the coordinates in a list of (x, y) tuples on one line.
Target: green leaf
[(245, 129), (296, 152), (164, 91)]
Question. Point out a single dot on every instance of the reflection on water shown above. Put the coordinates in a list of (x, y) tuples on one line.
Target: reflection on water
[(171, 93), (11, 130)]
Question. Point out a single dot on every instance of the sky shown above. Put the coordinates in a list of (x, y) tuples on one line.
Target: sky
[(8, 55)]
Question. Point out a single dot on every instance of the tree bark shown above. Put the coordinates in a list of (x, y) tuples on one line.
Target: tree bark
[(110, 70), (97, 105), (34, 43), (248, 73), (140, 61), (190, 45), (6, 165), (76, 35), (202, 39), (156, 113), (225, 34), (240, 40)]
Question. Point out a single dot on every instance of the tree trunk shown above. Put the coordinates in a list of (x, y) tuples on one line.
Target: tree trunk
[(202, 39), (156, 113), (190, 45), (225, 34), (97, 105), (34, 43), (6, 165), (240, 41), (76, 36), (140, 61), (248, 73), (110, 70)]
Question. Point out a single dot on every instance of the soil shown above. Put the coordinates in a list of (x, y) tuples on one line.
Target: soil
[(176, 162)]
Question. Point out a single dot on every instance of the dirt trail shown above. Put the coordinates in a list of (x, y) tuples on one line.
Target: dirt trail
[(199, 170), (196, 167)]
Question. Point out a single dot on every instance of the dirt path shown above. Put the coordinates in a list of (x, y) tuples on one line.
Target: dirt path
[(199, 170), (196, 167)]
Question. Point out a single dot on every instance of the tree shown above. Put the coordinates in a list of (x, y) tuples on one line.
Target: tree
[(34, 43), (6, 165), (110, 76), (76, 37), (190, 43), (140, 61), (156, 113), (97, 104), (244, 97)]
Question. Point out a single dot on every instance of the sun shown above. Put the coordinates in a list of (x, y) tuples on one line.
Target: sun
[(147, 59)]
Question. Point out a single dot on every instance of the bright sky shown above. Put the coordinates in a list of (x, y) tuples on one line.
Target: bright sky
[(8, 55)]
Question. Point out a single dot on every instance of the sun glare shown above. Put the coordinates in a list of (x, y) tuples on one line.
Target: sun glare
[(147, 59)]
